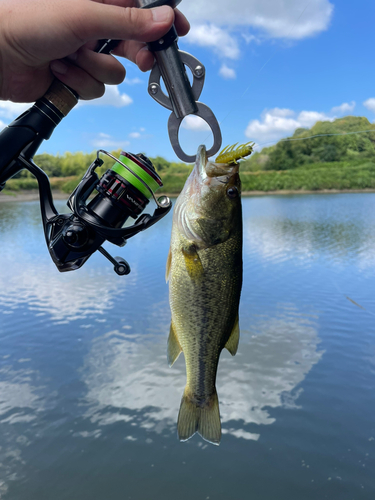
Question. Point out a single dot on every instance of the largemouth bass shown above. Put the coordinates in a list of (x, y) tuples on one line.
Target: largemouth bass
[(204, 268)]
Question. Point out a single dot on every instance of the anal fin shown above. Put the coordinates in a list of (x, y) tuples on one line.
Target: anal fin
[(174, 347)]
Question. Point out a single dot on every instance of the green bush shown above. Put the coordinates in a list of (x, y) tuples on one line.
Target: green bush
[(173, 183), (69, 186), (310, 179), (23, 183)]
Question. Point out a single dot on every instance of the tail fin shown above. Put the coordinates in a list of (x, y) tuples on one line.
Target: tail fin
[(202, 419)]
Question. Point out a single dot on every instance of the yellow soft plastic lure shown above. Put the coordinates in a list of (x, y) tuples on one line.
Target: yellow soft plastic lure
[(230, 155)]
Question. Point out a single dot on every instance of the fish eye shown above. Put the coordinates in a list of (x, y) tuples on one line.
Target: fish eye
[(232, 192)]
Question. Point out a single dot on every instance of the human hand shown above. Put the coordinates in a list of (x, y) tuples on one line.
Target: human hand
[(40, 39)]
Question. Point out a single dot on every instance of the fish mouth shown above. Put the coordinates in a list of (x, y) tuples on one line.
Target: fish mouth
[(206, 169)]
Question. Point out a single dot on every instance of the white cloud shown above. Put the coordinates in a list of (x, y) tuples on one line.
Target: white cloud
[(291, 19), (138, 134), (271, 126), (309, 118), (213, 37), (345, 107), (282, 112), (135, 135), (112, 97), (370, 104), (227, 73), (10, 110), (224, 28), (249, 38), (105, 141), (133, 81), (278, 123), (193, 122)]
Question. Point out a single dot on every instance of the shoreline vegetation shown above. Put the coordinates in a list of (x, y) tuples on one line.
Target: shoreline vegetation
[(33, 195), (328, 158)]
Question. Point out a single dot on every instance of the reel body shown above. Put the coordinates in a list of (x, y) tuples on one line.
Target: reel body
[(73, 238)]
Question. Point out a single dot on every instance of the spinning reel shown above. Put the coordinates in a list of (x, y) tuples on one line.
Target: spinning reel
[(122, 192)]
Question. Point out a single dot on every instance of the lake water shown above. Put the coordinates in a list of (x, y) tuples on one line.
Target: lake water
[(88, 404)]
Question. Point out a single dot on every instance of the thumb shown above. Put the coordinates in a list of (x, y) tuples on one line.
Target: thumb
[(123, 23)]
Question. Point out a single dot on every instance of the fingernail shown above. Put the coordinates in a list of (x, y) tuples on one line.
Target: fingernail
[(59, 67), (161, 14)]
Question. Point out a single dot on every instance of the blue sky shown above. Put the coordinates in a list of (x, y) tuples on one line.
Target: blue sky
[(271, 66)]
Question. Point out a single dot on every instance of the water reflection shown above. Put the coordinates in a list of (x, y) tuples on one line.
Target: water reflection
[(128, 378), (19, 399), (340, 228), (278, 240), (43, 289), (20, 403), (71, 394)]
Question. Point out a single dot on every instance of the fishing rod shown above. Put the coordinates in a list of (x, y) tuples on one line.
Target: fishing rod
[(126, 188)]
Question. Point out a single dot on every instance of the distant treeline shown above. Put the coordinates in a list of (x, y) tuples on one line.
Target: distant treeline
[(70, 164), (65, 171), (323, 148), (323, 162)]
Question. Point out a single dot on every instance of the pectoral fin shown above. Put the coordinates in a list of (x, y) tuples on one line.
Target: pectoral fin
[(168, 267), (232, 343), (174, 347), (193, 262)]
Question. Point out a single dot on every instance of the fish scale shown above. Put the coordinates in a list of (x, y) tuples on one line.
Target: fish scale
[(205, 278)]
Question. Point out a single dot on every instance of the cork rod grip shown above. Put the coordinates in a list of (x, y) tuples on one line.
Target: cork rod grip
[(61, 97)]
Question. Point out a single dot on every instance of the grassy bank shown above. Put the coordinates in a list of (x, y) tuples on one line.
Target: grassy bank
[(313, 178), (340, 176), (30, 183)]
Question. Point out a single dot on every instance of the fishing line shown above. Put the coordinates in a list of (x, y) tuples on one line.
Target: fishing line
[(261, 69), (313, 137)]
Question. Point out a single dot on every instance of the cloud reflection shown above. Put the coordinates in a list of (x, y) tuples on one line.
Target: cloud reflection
[(270, 366), (128, 378), (66, 297), (306, 231), (18, 396), (20, 403)]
